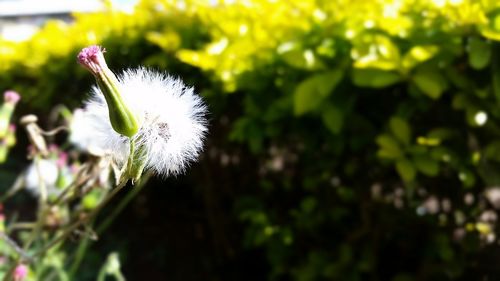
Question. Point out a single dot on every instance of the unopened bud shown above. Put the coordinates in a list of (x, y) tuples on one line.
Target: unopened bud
[(11, 97), (20, 272), (123, 120), (10, 100)]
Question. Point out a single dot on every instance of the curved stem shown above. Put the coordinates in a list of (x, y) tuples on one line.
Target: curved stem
[(83, 246)]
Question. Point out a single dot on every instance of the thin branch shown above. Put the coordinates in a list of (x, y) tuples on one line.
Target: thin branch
[(77, 224), (15, 246)]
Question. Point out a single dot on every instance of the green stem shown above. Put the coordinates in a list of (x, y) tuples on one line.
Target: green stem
[(74, 226), (42, 210), (80, 253), (83, 246), (116, 211)]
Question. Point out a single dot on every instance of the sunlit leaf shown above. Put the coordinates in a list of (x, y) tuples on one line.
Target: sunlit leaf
[(418, 54), (375, 51), (431, 82), (311, 92)]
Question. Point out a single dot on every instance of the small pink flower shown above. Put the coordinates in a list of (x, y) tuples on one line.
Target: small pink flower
[(92, 58), (20, 272), (62, 160), (11, 97)]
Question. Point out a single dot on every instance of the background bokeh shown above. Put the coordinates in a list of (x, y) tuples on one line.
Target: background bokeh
[(349, 140)]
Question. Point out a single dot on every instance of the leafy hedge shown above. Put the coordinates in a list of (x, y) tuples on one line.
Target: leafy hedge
[(335, 124)]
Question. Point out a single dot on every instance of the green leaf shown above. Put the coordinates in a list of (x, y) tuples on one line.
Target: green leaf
[(495, 72), (492, 151), (467, 177), (374, 78), (333, 118), (479, 53), (418, 54), (389, 147), (376, 51), (311, 93), (400, 129), (308, 204), (426, 165), (301, 59), (406, 170), (431, 82)]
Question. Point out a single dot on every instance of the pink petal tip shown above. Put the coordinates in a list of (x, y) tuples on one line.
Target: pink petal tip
[(90, 53), (11, 96)]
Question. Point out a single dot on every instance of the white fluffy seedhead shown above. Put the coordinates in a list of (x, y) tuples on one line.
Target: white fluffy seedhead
[(173, 124)]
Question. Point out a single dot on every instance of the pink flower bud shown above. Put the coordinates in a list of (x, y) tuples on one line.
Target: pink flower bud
[(92, 58), (20, 272), (11, 97), (62, 160), (12, 128), (124, 119)]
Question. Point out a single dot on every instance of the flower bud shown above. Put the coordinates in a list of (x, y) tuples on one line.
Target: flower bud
[(20, 272), (123, 120), (10, 100)]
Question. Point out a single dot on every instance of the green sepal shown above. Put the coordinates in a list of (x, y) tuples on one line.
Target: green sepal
[(123, 120)]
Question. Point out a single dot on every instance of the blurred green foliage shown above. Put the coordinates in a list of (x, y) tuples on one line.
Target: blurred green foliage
[(332, 121)]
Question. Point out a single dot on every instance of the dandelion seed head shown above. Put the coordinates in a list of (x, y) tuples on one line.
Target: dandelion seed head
[(85, 132), (173, 121)]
